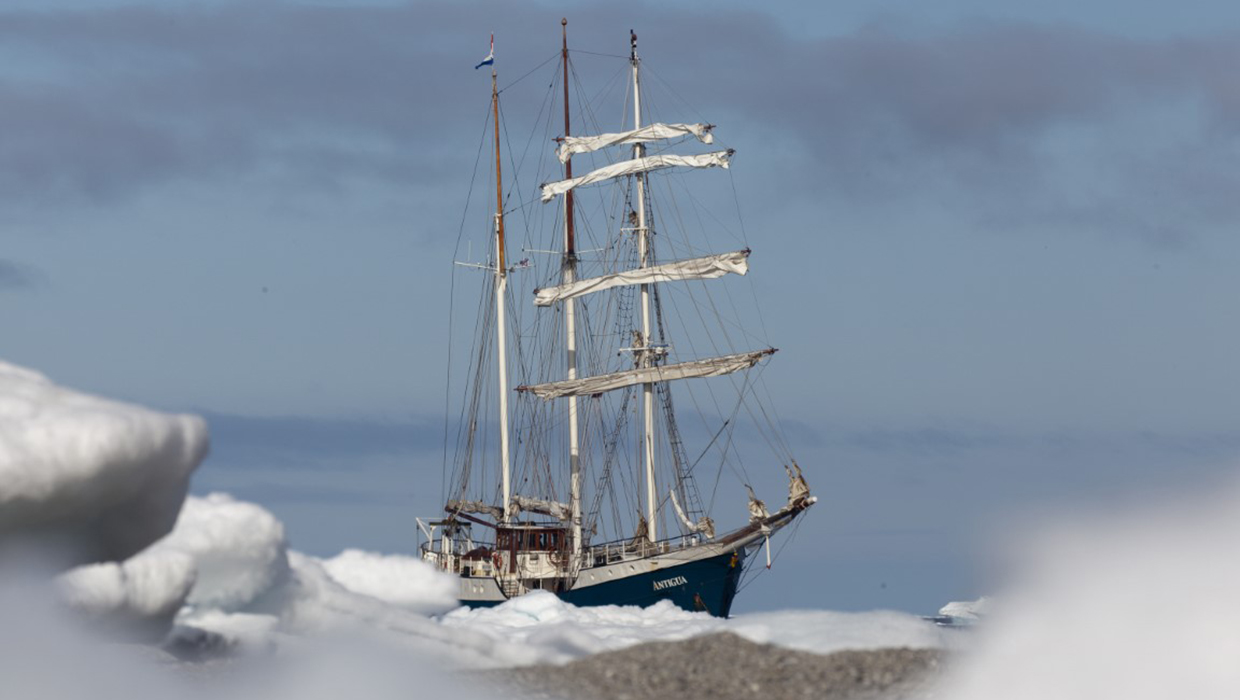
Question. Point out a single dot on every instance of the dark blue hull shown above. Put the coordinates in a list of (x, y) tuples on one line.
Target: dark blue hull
[(705, 585)]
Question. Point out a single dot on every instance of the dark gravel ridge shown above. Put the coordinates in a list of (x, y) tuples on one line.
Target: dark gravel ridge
[(725, 666)]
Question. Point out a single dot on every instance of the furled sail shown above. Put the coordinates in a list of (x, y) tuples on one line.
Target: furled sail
[(704, 268), (715, 159), (572, 145), (555, 509), (711, 367), (460, 506), (705, 525)]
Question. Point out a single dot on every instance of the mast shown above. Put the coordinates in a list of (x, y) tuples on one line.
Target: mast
[(570, 327), (646, 354), (501, 284)]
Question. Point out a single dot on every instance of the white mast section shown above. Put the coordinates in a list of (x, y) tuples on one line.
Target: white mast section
[(572, 145), (693, 369), (637, 166), (574, 440), (646, 355), (501, 286), (703, 268)]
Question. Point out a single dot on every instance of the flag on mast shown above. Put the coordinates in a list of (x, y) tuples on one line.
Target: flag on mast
[(490, 59)]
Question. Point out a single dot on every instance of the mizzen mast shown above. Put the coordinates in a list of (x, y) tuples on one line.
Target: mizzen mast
[(501, 285)]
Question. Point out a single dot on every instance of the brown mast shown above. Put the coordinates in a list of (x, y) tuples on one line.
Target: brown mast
[(499, 187)]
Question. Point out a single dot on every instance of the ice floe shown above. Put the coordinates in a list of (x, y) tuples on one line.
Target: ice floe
[(402, 581)]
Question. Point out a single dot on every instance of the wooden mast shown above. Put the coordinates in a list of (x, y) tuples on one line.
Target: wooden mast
[(570, 329), (501, 284), (499, 186)]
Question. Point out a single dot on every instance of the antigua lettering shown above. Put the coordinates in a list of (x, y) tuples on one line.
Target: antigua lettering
[(669, 582)]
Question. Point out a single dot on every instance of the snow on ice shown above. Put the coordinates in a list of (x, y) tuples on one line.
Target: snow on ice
[(237, 548), (100, 479), (402, 581), (387, 599), (136, 599)]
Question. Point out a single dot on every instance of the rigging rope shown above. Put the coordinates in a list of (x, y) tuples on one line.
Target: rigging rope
[(460, 234), (748, 577), (531, 71)]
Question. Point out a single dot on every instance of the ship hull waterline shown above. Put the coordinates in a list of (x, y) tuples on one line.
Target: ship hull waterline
[(702, 578), (702, 585)]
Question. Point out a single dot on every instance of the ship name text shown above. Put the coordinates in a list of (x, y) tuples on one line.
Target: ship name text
[(669, 582)]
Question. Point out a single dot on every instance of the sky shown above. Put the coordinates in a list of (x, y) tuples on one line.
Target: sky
[(996, 247)]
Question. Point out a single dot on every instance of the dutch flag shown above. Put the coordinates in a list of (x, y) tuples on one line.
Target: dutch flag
[(490, 59)]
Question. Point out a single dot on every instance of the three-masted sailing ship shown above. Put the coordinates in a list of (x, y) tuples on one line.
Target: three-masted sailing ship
[(571, 472)]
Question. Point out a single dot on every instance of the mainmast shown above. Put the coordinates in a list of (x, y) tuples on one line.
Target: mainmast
[(569, 271), (646, 352), (648, 357), (501, 285)]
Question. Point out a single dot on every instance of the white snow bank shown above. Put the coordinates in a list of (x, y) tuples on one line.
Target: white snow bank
[(254, 593), (552, 631), (556, 632), (315, 605), (1139, 605), (44, 656), (99, 478), (238, 549), (251, 592), (405, 582), (972, 610), (137, 598)]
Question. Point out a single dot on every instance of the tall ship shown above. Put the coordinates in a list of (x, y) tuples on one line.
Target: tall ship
[(610, 390)]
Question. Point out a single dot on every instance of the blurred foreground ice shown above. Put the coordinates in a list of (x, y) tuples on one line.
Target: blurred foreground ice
[(97, 480), (1140, 605)]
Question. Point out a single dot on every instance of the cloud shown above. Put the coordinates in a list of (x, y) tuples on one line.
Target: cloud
[(1096, 130), (1012, 125), (127, 98), (1016, 127), (16, 276)]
